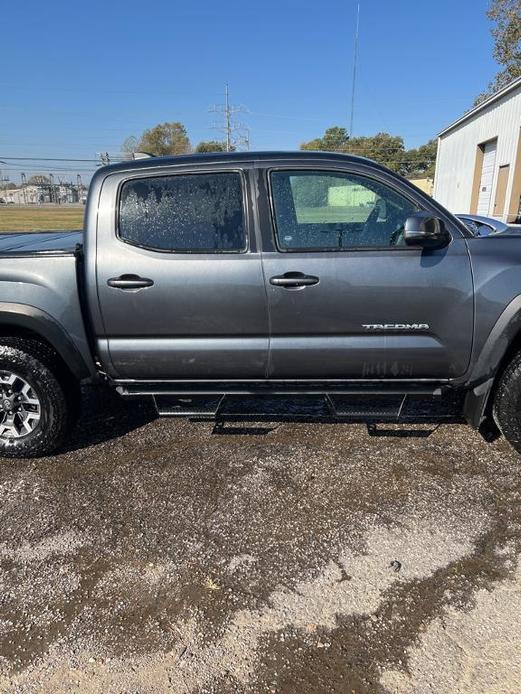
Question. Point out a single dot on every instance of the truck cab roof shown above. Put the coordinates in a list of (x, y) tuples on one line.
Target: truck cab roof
[(233, 157)]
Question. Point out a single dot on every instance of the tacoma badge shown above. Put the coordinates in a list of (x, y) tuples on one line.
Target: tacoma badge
[(395, 326)]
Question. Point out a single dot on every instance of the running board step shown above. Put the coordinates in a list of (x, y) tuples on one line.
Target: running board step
[(366, 405), (376, 407), (188, 406)]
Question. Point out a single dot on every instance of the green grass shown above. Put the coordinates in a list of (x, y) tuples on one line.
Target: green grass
[(35, 218), (332, 214), (58, 218)]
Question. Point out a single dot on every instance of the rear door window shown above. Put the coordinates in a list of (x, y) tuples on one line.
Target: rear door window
[(185, 213)]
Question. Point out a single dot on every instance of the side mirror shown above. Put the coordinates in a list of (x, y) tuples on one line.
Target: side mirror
[(422, 229)]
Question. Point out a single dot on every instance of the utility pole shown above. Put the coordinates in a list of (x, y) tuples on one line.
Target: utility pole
[(79, 185), (228, 119), (355, 65), (236, 135), (59, 189), (51, 188), (24, 183), (4, 180)]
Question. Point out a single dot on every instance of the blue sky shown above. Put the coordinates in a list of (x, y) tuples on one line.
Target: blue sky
[(77, 78)]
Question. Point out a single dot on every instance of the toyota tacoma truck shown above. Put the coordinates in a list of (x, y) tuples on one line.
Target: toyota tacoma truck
[(219, 275)]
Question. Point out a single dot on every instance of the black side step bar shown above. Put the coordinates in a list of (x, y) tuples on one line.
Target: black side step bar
[(376, 408), (286, 400)]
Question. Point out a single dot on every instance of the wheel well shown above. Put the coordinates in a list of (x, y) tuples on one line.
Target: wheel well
[(64, 373), (513, 348)]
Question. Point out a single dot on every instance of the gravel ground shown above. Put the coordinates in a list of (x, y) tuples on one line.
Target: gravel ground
[(165, 555)]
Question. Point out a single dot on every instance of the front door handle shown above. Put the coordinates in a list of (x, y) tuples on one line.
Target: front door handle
[(130, 282), (293, 280)]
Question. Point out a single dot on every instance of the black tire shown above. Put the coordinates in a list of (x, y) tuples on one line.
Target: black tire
[(507, 403), (41, 368)]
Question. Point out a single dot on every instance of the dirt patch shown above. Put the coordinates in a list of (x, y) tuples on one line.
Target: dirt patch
[(163, 556), (467, 651)]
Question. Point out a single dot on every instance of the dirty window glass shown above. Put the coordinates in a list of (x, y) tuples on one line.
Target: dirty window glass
[(190, 213), (335, 211)]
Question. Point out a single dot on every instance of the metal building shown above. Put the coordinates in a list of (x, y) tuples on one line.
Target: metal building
[(478, 167)]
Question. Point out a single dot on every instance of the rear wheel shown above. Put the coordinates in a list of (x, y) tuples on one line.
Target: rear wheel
[(507, 403), (34, 405)]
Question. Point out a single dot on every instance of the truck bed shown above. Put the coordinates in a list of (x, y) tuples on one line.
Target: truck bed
[(40, 242), (39, 283)]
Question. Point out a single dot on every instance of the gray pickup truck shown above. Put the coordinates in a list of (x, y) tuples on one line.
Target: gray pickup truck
[(209, 276)]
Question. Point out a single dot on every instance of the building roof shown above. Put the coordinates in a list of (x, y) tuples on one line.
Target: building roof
[(516, 84)]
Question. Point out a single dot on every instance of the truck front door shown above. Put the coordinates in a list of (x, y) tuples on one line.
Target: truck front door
[(347, 298), (179, 277)]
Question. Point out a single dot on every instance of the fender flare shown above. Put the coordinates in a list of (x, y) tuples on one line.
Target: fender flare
[(506, 328), (42, 324), (484, 372)]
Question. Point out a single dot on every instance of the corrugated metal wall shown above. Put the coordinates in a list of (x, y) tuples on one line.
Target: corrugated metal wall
[(457, 153)]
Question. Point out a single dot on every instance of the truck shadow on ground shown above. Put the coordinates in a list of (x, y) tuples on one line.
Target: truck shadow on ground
[(106, 416), (409, 432)]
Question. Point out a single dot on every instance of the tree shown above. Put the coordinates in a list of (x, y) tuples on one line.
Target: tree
[(420, 162), (506, 15), (383, 148), (165, 138), (39, 180), (211, 146), (335, 139)]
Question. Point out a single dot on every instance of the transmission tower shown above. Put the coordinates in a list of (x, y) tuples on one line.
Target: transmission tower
[(236, 135)]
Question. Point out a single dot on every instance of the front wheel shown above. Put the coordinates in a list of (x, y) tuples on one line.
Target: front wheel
[(34, 412), (507, 403)]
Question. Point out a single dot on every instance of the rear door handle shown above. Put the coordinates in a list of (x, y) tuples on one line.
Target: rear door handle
[(130, 282), (293, 280)]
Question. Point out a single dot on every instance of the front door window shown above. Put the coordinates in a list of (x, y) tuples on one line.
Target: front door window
[(336, 211)]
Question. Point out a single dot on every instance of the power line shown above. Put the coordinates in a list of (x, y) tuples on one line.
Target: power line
[(353, 151), (352, 146), (48, 159), (288, 117)]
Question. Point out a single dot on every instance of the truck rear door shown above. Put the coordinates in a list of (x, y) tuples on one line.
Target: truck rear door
[(179, 277)]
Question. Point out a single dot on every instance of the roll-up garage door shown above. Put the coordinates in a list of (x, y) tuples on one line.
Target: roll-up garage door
[(487, 177)]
